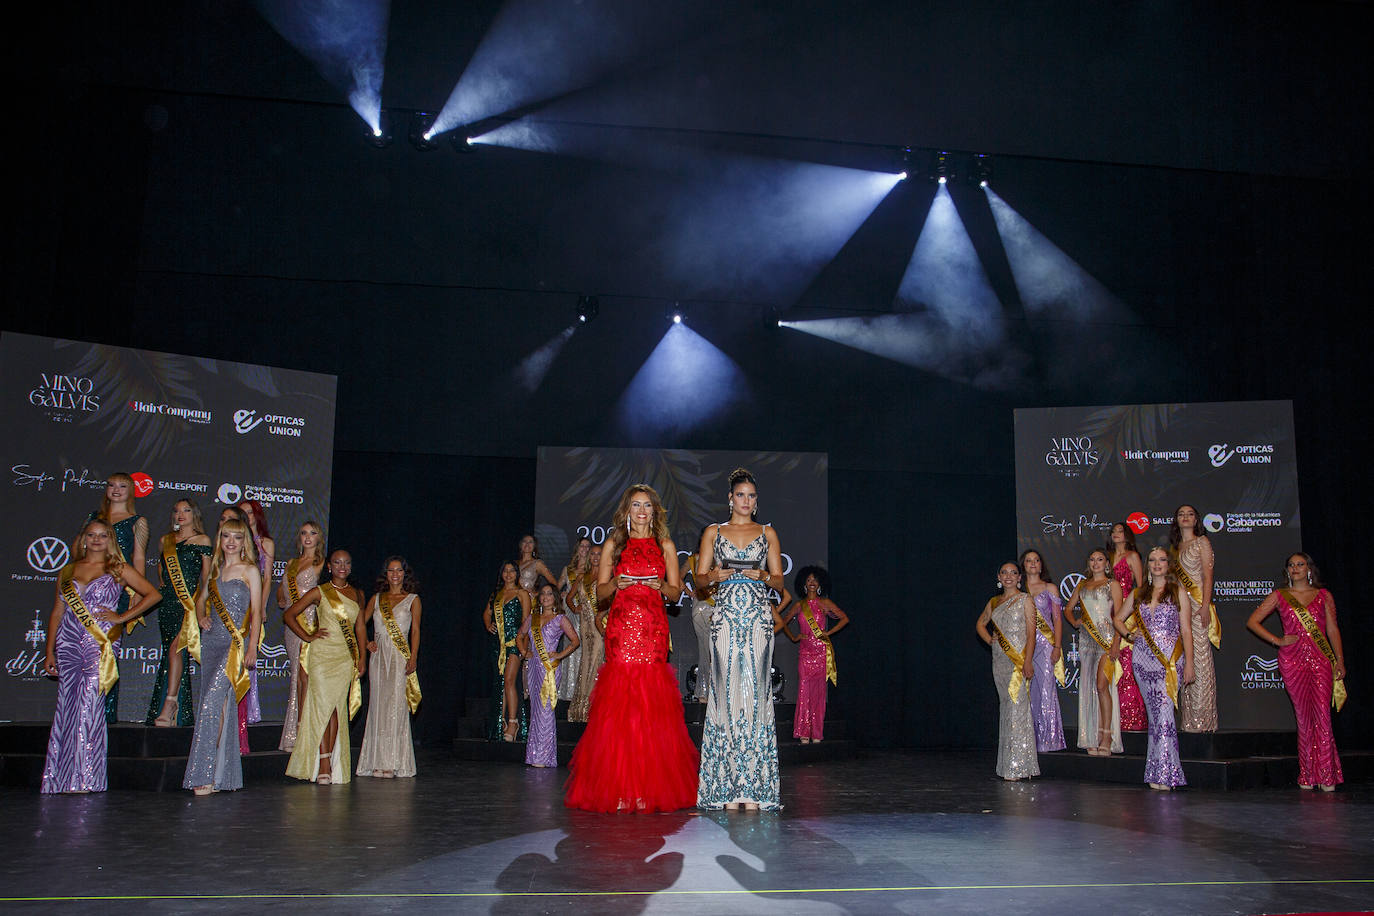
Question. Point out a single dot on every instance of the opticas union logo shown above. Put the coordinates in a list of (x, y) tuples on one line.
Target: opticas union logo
[(48, 554), (143, 484), (1139, 522), (245, 421)]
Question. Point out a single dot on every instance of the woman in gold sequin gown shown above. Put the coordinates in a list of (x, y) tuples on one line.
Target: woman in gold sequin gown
[(1197, 702), (1014, 614), (309, 566), (387, 750)]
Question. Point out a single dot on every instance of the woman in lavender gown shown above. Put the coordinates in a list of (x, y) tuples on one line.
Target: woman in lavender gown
[(1158, 616), (394, 691), (1008, 620), (302, 574), (232, 588), (1049, 662), (250, 710), (538, 643), (83, 639)]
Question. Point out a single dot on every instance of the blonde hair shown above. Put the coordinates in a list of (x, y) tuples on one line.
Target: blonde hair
[(105, 499), (319, 542), (250, 553), (114, 557)]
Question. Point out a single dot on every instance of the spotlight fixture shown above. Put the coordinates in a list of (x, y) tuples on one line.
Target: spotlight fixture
[(675, 313), (981, 173), (587, 308), (905, 173), (941, 167), (422, 131), (772, 319), (461, 143), (380, 136)]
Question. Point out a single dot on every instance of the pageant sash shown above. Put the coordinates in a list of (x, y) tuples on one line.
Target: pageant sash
[(233, 663), (1047, 631), (293, 594), (548, 690), (109, 669), (1096, 634), (1017, 677), (1310, 624), (332, 601), (816, 631), (402, 646), (1169, 665), (1195, 592), (499, 616), (190, 626)]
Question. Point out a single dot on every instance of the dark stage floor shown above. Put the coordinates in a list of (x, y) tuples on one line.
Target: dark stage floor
[(885, 833)]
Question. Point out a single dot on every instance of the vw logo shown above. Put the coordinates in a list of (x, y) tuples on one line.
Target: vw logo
[(1068, 584), (48, 554), (230, 494)]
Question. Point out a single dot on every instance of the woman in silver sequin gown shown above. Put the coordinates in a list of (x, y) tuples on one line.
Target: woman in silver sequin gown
[(1014, 615)]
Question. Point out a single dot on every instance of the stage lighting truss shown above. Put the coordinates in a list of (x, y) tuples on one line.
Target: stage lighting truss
[(908, 165), (981, 171), (421, 131), (587, 308), (380, 136), (461, 142), (942, 170)]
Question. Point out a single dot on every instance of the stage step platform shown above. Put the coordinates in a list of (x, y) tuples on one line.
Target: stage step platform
[(1227, 759), (472, 743)]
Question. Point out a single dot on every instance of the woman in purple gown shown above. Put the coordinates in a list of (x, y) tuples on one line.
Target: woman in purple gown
[(1312, 661), (1049, 664), (538, 644), (83, 639), (1158, 617)]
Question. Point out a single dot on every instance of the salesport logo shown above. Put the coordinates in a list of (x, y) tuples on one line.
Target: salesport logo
[(245, 421), (1249, 454), (1138, 522), (143, 484), (1261, 674), (48, 554)]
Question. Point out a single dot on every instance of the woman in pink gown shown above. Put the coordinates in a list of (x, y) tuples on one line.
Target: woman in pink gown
[(1312, 662), (1127, 569), (813, 584)]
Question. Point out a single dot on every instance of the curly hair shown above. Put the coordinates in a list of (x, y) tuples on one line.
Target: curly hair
[(822, 581), (409, 583)]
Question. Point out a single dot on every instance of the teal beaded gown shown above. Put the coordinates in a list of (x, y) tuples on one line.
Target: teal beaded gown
[(512, 615), (191, 558)]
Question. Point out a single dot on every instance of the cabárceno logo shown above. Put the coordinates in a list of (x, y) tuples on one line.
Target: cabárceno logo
[(245, 421), (1243, 522), (1249, 454), (191, 414), (1170, 456), (231, 494), (1070, 455), (1261, 674)]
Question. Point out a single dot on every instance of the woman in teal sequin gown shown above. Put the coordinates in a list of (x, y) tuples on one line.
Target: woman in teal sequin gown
[(131, 533), (739, 743), (192, 547), (505, 613)]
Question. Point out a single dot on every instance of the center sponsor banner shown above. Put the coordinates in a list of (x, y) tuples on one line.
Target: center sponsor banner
[(577, 490), (211, 431), (1081, 469)]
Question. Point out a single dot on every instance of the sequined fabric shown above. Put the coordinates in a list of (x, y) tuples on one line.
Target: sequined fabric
[(590, 655), (1308, 677), (1097, 604), (1130, 705), (739, 741), (170, 613), (77, 742), (511, 616), (214, 759), (541, 750), (387, 743), (124, 535), (1162, 765), (1015, 729), (811, 682), (1197, 702), (306, 579), (1044, 689), (330, 671)]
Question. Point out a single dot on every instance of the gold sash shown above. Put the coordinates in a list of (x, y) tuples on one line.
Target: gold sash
[(402, 646), (1017, 677), (1195, 592), (1170, 667), (109, 668), (1096, 634), (830, 672), (1047, 631), (548, 690), (293, 594), (331, 600), (189, 637), (499, 615), (1318, 637), (233, 663)]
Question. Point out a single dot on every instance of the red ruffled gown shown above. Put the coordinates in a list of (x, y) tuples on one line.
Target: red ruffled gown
[(1127, 691), (635, 754)]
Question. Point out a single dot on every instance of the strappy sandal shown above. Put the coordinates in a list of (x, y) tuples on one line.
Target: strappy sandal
[(323, 779), (511, 731), (168, 719)]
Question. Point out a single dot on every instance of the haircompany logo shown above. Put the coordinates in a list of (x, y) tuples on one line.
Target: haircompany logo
[(190, 414), (1249, 454), (1168, 456), (48, 554), (245, 421), (1071, 455)]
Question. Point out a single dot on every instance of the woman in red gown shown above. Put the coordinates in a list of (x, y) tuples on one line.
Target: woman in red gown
[(635, 754)]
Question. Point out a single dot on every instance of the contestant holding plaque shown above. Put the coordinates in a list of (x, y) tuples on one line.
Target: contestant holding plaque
[(505, 613), (131, 543), (250, 711), (1099, 597), (223, 640), (538, 641), (393, 686), (1007, 624), (815, 655), (335, 663), (83, 640), (1128, 572), (1049, 656), (635, 755), (184, 550), (1192, 560), (302, 574), (1312, 661)]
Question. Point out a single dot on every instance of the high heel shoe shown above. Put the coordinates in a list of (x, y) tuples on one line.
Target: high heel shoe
[(322, 779), (1104, 742), (168, 719), (511, 731)]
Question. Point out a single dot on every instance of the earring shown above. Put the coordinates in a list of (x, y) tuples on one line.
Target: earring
[(1290, 581), (1149, 578), (999, 585), (1309, 577)]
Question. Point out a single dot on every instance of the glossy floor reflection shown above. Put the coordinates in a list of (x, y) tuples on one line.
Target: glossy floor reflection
[(888, 833)]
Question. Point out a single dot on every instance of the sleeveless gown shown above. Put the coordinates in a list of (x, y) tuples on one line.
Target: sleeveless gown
[(330, 669), (1016, 756), (1097, 603), (77, 744), (306, 579), (1044, 689), (511, 614), (1131, 704), (386, 742), (739, 741), (170, 614), (124, 535), (1197, 702), (590, 655), (1308, 677), (250, 711), (570, 667), (811, 682), (635, 754), (541, 750), (214, 759), (1162, 765)]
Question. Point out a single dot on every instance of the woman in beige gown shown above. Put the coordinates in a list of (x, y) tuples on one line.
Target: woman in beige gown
[(387, 749), (1192, 560), (304, 572), (592, 652)]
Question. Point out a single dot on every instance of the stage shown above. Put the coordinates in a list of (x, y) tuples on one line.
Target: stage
[(883, 832)]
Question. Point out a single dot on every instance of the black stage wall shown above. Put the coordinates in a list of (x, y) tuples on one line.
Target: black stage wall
[(190, 184)]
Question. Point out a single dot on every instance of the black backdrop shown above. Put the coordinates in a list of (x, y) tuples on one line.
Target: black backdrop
[(1199, 161)]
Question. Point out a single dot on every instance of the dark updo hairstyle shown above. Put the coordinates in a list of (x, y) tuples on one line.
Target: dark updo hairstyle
[(739, 476), (1044, 568), (408, 584), (822, 580), (1311, 569), (1128, 541)]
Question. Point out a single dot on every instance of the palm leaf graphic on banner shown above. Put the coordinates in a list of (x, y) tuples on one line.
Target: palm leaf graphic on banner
[(1136, 426), (688, 493), (136, 375)]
